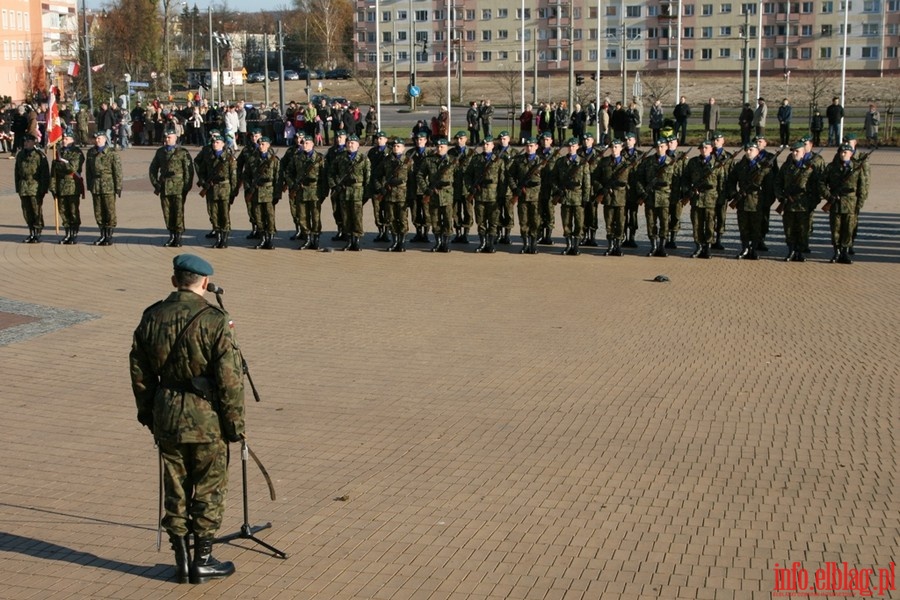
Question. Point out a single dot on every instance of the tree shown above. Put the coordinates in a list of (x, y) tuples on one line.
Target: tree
[(660, 87), (368, 85), (330, 24)]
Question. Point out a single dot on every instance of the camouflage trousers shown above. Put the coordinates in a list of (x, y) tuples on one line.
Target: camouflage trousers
[(675, 210), (464, 212), (220, 214), (796, 229), (721, 214), (353, 216), (309, 216), (195, 481), (507, 214), (395, 217), (265, 214), (842, 226), (528, 218), (657, 221), (547, 213), (105, 210), (486, 216), (33, 211), (252, 213), (337, 210), (419, 212), (631, 216), (592, 215), (379, 211), (572, 219), (614, 216), (70, 210), (750, 226), (173, 212), (440, 217), (703, 220)]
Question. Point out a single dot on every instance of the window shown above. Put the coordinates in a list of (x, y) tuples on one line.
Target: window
[(502, 13), (576, 34), (651, 12), (806, 30), (401, 15), (373, 57), (724, 52), (688, 32), (870, 29), (725, 9), (438, 15), (633, 12), (611, 11), (401, 36), (576, 55), (706, 54), (768, 53), (688, 10), (725, 31), (470, 36), (632, 33), (486, 35), (503, 34), (543, 34), (805, 53), (688, 54), (752, 54), (438, 36), (892, 6), (611, 33), (386, 16), (5, 46), (748, 9), (470, 57), (421, 15), (893, 28), (769, 8), (824, 52), (576, 12), (849, 6), (485, 14), (633, 54), (527, 35), (402, 56), (768, 31), (806, 8), (891, 51), (5, 26), (527, 14), (870, 52), (827, 30), (503, 55), (470, 16), (527, 56), (842, 50), (421, 56), (361, 37), (370, 37), (849, 29), (828, 6), (706, 32), (592, 34), (611, 53), (421, 36), (707, 10)]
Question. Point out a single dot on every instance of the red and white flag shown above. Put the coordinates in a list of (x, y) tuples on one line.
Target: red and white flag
[(54, 127), (74, 68), (96, 68)]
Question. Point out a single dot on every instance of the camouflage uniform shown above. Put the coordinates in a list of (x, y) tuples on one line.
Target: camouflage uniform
[(394, 175), (572, 189), (246, 167), (376, 155), (304, 175), (82, 123), (436, 177), (591, 213), (67, 186), (632, 201), (654, 187), (463, 206), (797, 188), (263, 189), (293, 202), (675, 205), (485, 178), (331, 157), (187, 380), (724, 161), (32, 177), (611, 181), (217, 176), (844, 185), (703, 180), (754, 181), (524, 181), (349, 181), (506, 218), (417, 207), (547, 212), (172, 176), (103, 176)]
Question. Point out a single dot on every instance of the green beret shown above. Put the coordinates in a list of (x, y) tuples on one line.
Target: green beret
[(806, 139), (504, 133), (718, 134), (97, 133), (171, 131), (531, 140), (341, 132), (422, 135), (798, 145), (587, 136), (487, 139), (849, 136), (662, 141), (846, 148), (192, 264), (256, 131), (397, 141), (705, 143), (442, 142), (215, 137), (759, 137), (460, 134), (751, 145), (381, 134), (572, 141), (616, 142), (265, 140), (353, 138), (629, 135), (547, 135)]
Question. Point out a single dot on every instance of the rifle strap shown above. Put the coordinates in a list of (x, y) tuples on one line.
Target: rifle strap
[(180, 336)]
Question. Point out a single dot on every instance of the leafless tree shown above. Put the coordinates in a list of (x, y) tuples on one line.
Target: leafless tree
[(661, 87)]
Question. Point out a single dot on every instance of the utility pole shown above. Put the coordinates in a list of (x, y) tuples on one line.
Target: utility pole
[(571, 59), (212, 65), (87, 58), (745, 81), (280, 66)]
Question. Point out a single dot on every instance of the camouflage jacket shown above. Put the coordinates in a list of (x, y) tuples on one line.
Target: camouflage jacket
[(304, 176), (463, 157), (702, 181), (103, 170), (376, 156), (524, 177), (797, 186), (654, 180), (393, 176), (217, 174), (611, 180), (172, 171), (32, 173), (169, 398), (486, 178), (263, 180), (572, 181), (843, 185), (436, 177), (350, 176), (752, 184), (65, 172), (414, 184)]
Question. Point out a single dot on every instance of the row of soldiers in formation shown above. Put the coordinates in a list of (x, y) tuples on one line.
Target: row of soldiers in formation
[(454, 189)]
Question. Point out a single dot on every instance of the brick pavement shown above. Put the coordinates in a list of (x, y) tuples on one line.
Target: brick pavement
[(503, 426)]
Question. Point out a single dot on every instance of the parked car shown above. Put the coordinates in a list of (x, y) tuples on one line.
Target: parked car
[(316, 99), (313, 74), (290, 75), (273, 75), (255, 78), (338, 74)]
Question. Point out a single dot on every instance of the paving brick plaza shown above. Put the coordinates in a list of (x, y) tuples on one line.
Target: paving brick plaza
[(467, 426)]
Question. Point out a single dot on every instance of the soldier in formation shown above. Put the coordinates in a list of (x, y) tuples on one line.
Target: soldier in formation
[(506, 218), (264, 192), (419, 211), (67, 185), (591, 156), (654, 188), (246, 165), (571, 190), (376, 154), (796, 188), (610, 186), (463, 202), (436, 178), (307, 186), (103, 175), (217, 176), (485, 181), (334, 152), (703, 181), (349, 182), (172, 176), (293, 203), (524, 178), (751, 185), (396, 188), (843, 186), (32, 177)]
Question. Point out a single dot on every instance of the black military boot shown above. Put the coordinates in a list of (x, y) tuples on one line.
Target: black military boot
[(660, 249), (671, 242), (717, 245), (212, 234), (338, 236), (837, 254), (218, 242), (609, 247), (74, 238), (178, 242), (753, 255), (182, 558), (591, 238), (653, 244), (417, 237), (30, 238), (574, 251), (437, 243), (629, 239), (744, 253), (457, 239), (354, 243), (491, 240), (445, 243), (171, 241), (545, 240), (108, 239), (704, 250), (504, 239), (761, 246), (296, 235), (525, 245), (204, 566), (798, 256), (843, 259), (568, 247), (482, 242), (313, 241), (790, 254), (617, 247), (401, 243), (66, 238), (262, 243), (254, 234), (698, 248)]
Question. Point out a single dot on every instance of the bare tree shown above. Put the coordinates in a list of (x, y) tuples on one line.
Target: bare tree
[(661, 87), (368, 85), (821, 83), (439, 91)]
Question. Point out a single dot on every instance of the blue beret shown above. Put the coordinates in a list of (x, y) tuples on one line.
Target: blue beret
[(192, 264)]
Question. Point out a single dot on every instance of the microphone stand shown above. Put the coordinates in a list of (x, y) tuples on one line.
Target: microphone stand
[(247, 531)]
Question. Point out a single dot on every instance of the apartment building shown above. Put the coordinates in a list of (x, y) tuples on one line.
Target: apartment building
[(37, 36), (487, 35)]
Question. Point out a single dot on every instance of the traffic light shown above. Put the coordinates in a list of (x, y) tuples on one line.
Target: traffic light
[(579, 79)]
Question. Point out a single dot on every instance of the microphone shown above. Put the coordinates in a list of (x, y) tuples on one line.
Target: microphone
[(211, 287)]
